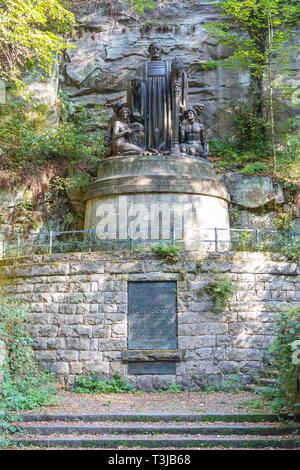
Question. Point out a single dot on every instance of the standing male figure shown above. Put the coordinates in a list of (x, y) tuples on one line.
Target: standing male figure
[(151, 100)]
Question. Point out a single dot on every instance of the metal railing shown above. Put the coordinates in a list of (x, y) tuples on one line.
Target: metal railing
[(210, 239)]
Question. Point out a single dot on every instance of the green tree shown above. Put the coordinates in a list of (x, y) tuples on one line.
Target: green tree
[(258, 31), (255, 29), (32, 33)]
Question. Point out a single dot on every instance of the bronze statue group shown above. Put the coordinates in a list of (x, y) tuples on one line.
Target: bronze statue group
[(157, 118)]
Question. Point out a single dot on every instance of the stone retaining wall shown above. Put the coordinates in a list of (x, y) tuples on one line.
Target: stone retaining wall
[(78, 311)]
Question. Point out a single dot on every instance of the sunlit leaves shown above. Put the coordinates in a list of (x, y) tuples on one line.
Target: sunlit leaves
[(31, 36), (141, 5)]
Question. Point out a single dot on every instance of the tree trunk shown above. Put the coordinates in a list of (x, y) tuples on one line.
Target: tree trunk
[(270, 90), (256, 92)]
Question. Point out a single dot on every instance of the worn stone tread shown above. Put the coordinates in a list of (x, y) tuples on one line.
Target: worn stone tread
[(176, 442), (150, 429), (148, 416)]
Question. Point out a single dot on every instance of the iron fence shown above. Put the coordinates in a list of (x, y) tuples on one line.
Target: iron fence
[(210, 239)]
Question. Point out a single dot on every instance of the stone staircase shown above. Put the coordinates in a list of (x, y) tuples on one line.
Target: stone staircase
[(266, 379), (156, 431)]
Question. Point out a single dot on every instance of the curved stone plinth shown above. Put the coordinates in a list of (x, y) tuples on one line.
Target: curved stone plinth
[(158, 197), (156, 173)]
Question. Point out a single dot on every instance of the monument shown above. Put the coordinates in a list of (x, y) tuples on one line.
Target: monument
[(156, 181)]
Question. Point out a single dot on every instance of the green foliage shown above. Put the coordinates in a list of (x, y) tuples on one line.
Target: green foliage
[(174, 388), (292, 250), (245, 242), (21, 371), (29, 393), (287, 331), (288, 151), (93, 384), (284, 221), (237, 155), (223, 149), (24, 386), (167, 251), (258, 33), (221, 290), (230, 385), (250, 45), (23, 142), (250, 151), (256, 404), (251, 131), (210, 65), (257, 168), (281, 242), (77, 182), (15, 334), (32, 35), (141, 5)]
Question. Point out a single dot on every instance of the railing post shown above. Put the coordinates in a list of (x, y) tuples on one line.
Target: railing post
[(90, 241), (216, 240), (2, 251), (257, 236), (50, 242), (18, 245), (173, 234)]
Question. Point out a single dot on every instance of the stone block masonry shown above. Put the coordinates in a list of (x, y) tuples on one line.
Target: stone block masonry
[(78, 309)]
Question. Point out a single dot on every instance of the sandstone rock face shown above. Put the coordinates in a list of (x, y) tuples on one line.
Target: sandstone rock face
[(78, 307), (245, 219), (253, 192), (112, 44), (45, 92)]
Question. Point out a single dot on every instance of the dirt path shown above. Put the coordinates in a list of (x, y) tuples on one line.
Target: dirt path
[(217, 402)]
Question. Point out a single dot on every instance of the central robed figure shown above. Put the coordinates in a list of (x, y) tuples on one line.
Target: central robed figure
[(155, 119), (156, 97)]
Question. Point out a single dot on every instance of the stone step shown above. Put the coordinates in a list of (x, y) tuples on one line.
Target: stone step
[(178, 442), (204, 429), (154, 417), (155, 430)]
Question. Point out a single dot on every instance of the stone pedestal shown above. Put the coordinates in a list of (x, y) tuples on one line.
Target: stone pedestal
[(158, 197)]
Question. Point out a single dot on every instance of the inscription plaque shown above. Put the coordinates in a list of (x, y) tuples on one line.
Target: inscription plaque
[(152, 315)]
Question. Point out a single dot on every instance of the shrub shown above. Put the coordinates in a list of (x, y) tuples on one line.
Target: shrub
[(93, 384), (255, 168), (286, 357), (220, 290), (252, 131), (23, 138), (168, 252), (25, 386), (292, 250), (245, 241), (284, 221)]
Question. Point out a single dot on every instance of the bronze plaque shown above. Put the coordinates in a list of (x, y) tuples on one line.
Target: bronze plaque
[(152, 313)]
